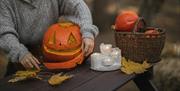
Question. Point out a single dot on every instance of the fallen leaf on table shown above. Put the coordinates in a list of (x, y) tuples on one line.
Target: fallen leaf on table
[(23, 75), (35, 74), (16, 79), (57, 79), (130, 67), (127, 71), (28, 73), (146, 65)]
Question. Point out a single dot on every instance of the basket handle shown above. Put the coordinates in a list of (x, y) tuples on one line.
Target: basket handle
[(140, 19)]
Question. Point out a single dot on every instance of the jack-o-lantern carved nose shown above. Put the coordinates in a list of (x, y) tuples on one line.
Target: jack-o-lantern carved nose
[(52, 40), (72, 39)]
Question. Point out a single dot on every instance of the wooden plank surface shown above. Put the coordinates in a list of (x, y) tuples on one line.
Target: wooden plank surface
[(84, 79), (109, 81)]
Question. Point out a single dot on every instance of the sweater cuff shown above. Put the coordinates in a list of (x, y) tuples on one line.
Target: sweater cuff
[(88, 35), (89, 31), (22, 53), (17, 54)]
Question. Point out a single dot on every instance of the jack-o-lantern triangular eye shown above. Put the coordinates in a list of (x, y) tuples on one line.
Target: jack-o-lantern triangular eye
[(72, 39), (52, 39)]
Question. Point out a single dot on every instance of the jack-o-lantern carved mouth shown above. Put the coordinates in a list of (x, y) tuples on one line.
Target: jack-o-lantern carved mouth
[(62, 55), (63, 52)]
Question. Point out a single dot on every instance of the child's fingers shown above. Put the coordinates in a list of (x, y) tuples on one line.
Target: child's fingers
[(90, 49), (37, 61), (34, 63), (89, 46), (25, 64), (28, 63), (86, 49)]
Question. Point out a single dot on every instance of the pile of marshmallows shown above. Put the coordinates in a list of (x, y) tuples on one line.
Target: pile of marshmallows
[(108, 60)]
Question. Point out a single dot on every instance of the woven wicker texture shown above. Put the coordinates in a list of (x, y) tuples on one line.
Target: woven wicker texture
[(139, 47)]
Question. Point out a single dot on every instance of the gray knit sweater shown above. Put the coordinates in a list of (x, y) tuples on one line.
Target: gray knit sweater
[(23, 22)]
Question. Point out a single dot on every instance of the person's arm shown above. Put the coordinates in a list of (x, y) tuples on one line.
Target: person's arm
[(9, 41), (78, 12)]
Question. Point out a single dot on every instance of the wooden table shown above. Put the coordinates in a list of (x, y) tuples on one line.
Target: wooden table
[(84, 79)]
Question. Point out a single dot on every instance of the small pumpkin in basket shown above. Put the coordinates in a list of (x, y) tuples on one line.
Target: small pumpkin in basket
[(151, 32), (62, 46)]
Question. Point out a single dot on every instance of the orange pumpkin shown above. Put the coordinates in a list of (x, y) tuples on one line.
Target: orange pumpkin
[(125, 21), (62, 46)]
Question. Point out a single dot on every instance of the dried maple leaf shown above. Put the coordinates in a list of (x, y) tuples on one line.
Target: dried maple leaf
[(130, 67), (58, 79), (23, 75), (16, 79)]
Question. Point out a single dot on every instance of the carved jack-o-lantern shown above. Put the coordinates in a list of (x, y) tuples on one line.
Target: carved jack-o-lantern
[(62, 46)]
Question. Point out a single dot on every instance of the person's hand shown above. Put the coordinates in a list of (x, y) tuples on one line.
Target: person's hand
[(88, 46), (29, 61)]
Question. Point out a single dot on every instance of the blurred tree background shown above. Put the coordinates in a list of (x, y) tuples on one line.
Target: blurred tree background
[(157, 13)]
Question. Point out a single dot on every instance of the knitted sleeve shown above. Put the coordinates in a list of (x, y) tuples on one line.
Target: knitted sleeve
[(78, 12), (8, 36)]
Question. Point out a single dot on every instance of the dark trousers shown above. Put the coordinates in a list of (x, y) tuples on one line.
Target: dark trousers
[(13, 67)]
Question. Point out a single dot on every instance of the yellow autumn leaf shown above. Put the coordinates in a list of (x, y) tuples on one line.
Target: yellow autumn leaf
[(23, 75), (16, 79), (146, 65), (123, 61), (130, 67), (58, 79), (139, 69), (126, 71)]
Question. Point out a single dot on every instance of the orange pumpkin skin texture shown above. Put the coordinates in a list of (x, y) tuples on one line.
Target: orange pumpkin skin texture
[(56, 38), (62, 46), (125, 21)]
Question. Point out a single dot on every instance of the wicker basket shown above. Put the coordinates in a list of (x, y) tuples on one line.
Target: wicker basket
[(138, 46)]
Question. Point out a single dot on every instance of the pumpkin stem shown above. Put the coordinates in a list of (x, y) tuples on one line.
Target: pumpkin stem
[(65, 23)]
